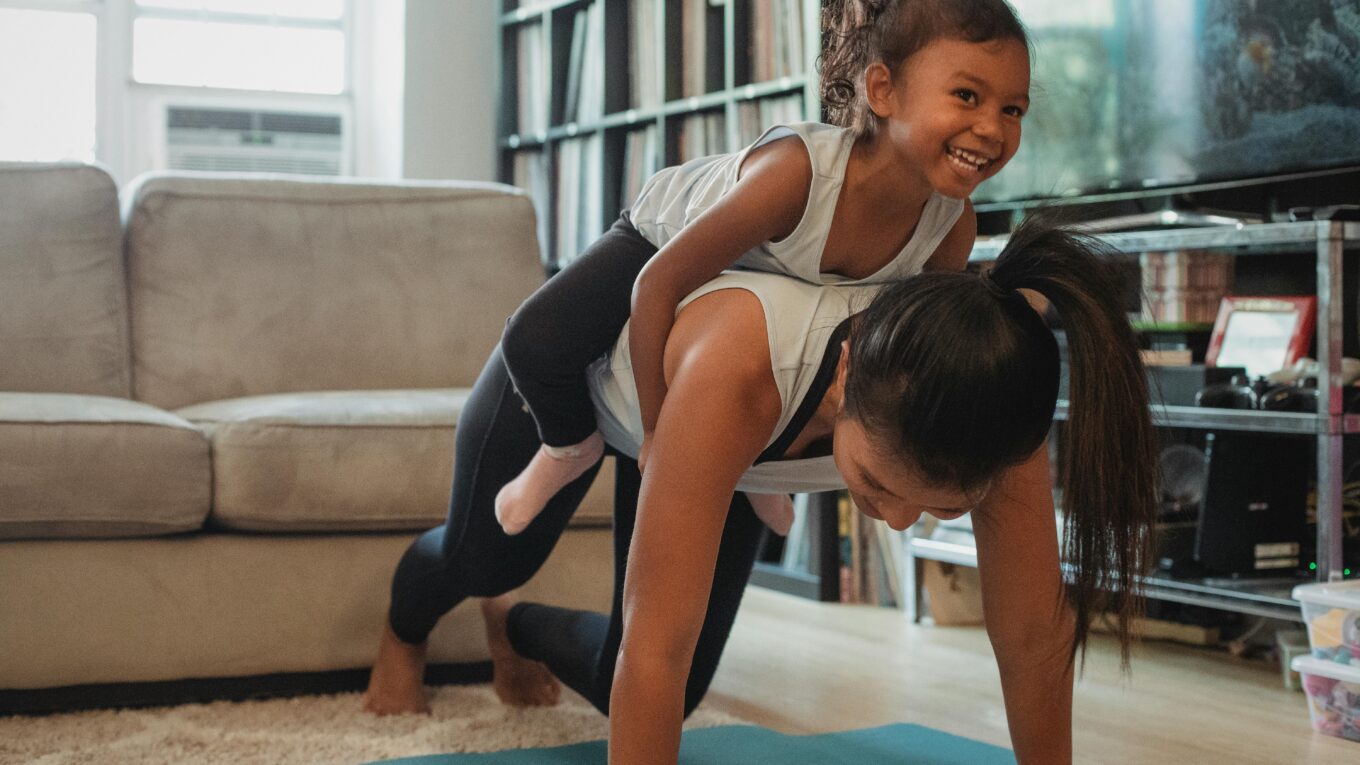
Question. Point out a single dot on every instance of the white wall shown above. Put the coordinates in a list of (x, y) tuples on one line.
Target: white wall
[(451, 71), (379, 83)]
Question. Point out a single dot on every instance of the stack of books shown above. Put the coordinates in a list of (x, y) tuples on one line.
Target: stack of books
[(640, 153), (532, 173), (753, 117), (584, 97), (645, 85), (1184, 286), (776, 39), (531, 48), (580, 195)]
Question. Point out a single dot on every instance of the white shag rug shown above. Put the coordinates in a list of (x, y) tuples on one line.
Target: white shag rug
[(307, 729)]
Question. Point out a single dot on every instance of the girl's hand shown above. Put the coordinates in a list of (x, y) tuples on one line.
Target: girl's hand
[(644, 450)]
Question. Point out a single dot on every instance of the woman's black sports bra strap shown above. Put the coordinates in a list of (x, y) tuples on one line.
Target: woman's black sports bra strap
[(826, 373)]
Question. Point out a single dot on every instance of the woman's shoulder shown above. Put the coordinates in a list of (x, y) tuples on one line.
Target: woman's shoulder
[(721, 338)]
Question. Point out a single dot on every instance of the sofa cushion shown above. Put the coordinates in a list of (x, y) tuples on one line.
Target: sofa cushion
[(341, 461), (331, 460), (74, 466), (244, 286), (63, 303)]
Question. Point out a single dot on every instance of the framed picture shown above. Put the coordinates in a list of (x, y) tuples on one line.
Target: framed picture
[(1262, 334)]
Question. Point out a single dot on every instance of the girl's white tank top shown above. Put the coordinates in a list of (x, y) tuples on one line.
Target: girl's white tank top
[(676, 196), (801, 321)]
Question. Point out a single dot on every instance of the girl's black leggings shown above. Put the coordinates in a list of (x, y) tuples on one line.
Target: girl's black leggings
[(469, 556), (568, 323)]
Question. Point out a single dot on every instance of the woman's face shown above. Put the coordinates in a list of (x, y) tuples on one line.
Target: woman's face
[(885, 488)]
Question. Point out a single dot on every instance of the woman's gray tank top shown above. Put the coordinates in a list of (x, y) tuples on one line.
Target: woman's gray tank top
[(800, 319), (676, 196)]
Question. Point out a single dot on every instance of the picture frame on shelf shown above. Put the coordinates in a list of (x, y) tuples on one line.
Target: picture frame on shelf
[(1262, 334)]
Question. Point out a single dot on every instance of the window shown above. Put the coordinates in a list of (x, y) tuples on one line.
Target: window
[(294, 46), (47, 85), (89, 80)]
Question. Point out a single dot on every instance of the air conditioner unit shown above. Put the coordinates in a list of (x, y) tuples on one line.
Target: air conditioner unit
[(256, 140)]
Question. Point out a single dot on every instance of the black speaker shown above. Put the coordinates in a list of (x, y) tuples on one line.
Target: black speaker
[(1253, 520)]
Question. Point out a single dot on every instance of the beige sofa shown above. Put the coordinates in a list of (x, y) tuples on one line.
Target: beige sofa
[(226, 407)]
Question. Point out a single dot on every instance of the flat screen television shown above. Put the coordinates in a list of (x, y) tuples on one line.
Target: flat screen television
[(1140, 97)]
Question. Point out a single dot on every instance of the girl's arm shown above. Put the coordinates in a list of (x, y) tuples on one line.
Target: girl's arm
[(766, 203), (957, 245), (720, 411), (1026, 613)]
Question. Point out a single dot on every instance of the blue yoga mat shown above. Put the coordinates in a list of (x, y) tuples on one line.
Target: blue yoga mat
[(751, 745)]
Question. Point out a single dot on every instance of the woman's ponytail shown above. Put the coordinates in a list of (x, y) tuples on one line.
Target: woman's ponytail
[(1108, 467)]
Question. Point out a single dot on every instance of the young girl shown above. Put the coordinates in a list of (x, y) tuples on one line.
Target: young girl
[(935, 399), (928, 96)]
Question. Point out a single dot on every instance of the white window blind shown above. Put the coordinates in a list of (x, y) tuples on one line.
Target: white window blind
[(47, 83), (296, 46)]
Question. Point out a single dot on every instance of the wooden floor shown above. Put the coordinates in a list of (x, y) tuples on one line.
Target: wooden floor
[(803, 667)]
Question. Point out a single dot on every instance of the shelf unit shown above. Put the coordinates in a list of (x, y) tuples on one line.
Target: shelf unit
[(571, 111), (1327, 242), (536, 126)]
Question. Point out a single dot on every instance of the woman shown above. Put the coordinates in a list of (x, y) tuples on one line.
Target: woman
[(935, 399)]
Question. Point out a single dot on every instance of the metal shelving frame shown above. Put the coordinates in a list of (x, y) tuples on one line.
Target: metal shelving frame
[(1327, 241)]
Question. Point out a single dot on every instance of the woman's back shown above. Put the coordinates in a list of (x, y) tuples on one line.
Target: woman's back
[(803, 327)]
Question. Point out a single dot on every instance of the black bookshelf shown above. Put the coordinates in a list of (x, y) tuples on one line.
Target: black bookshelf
[(583, 120)]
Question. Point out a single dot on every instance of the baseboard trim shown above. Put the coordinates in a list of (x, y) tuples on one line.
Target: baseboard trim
[(73, 698)]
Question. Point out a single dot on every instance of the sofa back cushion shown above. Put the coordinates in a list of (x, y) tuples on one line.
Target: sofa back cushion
[(63, 301), (244, 286)]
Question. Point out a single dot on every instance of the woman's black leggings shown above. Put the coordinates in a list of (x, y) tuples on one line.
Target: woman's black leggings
[(469, 556), (569, 322)]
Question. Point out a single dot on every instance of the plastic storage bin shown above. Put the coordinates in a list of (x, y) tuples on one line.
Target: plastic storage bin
[(1331, 611), (1333, 696)]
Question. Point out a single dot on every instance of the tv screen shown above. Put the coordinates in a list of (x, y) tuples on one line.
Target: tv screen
[(1140, 95)]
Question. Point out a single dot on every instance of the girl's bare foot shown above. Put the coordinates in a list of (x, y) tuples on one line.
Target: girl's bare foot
[(517, 680), (397, 684)]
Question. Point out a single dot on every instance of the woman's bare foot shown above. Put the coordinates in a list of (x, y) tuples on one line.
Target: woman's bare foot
[(517, 680), (397, 683)]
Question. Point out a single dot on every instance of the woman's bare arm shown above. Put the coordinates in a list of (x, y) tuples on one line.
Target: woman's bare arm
[(1026, 612), (718, 415), (766, 203)]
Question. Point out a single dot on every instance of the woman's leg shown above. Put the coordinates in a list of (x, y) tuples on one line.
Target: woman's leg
[(469, 556), (581, 647), (568, 323)]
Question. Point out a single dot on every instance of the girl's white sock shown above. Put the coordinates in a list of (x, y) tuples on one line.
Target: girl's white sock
[(519, 502)]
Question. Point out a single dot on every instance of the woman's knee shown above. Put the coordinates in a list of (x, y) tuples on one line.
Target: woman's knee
[(486, 576)]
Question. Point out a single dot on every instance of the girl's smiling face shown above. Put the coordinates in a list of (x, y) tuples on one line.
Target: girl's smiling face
[(953, 110)]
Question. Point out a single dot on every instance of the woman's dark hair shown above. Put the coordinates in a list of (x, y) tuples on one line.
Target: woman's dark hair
[(856, 33), (957, 375)]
